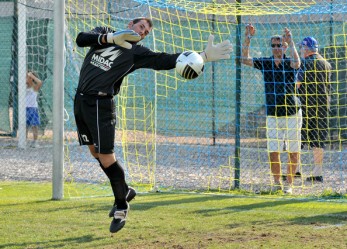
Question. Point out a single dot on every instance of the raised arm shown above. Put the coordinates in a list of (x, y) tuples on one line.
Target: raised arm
[(249, 33), (294, 56), (145, 58), (36, 82)]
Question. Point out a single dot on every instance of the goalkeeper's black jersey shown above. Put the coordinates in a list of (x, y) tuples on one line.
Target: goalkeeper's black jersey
[(106, 65)]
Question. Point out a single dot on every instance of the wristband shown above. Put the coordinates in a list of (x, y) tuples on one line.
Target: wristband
[(99, 41)]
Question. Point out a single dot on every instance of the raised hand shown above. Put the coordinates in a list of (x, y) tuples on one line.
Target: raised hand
[(250, 30), (287, 36)]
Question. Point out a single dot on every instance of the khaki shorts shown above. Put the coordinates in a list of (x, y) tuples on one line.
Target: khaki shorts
[(284, 133)]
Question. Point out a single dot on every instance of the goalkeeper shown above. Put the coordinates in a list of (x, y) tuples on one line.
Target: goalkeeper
[(112, 56)]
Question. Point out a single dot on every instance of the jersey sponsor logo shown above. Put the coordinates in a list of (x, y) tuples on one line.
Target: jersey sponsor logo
[(103, 58)]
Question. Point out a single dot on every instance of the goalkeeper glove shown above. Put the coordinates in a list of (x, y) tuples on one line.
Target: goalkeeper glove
[(122, 38), (216, 52)]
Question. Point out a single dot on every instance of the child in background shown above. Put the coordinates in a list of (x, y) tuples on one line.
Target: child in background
[(32, 113)]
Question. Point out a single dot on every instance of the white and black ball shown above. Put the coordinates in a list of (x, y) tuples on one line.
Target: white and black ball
[(189, 65)]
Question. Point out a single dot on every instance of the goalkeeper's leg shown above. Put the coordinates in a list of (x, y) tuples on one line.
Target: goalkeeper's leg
[(115, 173), (120, 189), (131, 193)]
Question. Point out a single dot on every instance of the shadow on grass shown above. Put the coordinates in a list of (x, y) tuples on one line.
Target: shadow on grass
[(26, 202), (170, 199), (258, 204), (334, 219), (53, 243), (180, 199)]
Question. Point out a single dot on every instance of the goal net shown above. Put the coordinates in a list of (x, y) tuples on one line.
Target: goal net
[(206, 134), (209, 134)]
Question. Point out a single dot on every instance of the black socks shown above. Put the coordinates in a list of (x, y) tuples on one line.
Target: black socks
[(120, 189)]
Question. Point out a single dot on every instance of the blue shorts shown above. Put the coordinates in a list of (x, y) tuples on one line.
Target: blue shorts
[(33, 118)]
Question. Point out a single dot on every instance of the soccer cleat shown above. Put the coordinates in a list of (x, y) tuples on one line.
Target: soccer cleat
[(315, 179), (131, 195), (119, 218)]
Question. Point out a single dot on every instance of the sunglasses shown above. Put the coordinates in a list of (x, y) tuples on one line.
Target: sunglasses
[(276, 45)]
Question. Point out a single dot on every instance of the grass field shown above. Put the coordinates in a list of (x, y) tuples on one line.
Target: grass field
[(30, 219)]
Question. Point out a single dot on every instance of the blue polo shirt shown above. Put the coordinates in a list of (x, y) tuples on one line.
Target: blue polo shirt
[(279, 86)]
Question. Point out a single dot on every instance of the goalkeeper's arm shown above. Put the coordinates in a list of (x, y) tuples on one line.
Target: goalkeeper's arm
[(93, 37), (103, 35)]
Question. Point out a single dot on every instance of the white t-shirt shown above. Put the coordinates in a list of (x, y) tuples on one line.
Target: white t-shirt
[(31, 98)]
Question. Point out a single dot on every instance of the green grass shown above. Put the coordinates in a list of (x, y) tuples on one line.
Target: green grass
[(30, 219)]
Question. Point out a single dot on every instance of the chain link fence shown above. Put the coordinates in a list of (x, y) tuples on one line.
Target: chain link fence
[(207, 134)]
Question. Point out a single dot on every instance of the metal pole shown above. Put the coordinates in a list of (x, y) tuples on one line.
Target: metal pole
[(58, 100), (331, 22), (213, 92), (238, 99), (153, 179), (22, 72)]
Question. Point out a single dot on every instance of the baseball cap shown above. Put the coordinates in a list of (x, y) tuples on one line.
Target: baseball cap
[(310, 42)]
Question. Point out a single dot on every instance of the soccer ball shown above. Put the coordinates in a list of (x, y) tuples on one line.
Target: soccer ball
[(189, 65)]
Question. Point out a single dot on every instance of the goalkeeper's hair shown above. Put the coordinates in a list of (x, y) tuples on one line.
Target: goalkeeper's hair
[(149, 21)]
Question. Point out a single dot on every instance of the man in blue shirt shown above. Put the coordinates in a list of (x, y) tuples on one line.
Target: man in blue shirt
[(283, 113)]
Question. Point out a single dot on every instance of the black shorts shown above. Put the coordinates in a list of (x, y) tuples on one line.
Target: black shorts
[(96, 120), (314, 129)]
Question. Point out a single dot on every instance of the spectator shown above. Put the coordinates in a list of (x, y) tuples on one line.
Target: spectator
[(284, 117), (32, 114), (314, 88)]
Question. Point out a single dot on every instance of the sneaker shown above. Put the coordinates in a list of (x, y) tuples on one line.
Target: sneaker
[(287, 190), (275, 188), (131, 195), (315, 179), (119, 218), (297, 174)]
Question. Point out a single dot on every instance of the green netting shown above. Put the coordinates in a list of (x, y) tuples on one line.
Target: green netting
[(6, 27)]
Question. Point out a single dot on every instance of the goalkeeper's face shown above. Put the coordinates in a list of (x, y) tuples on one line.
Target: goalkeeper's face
[(142, 28)]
